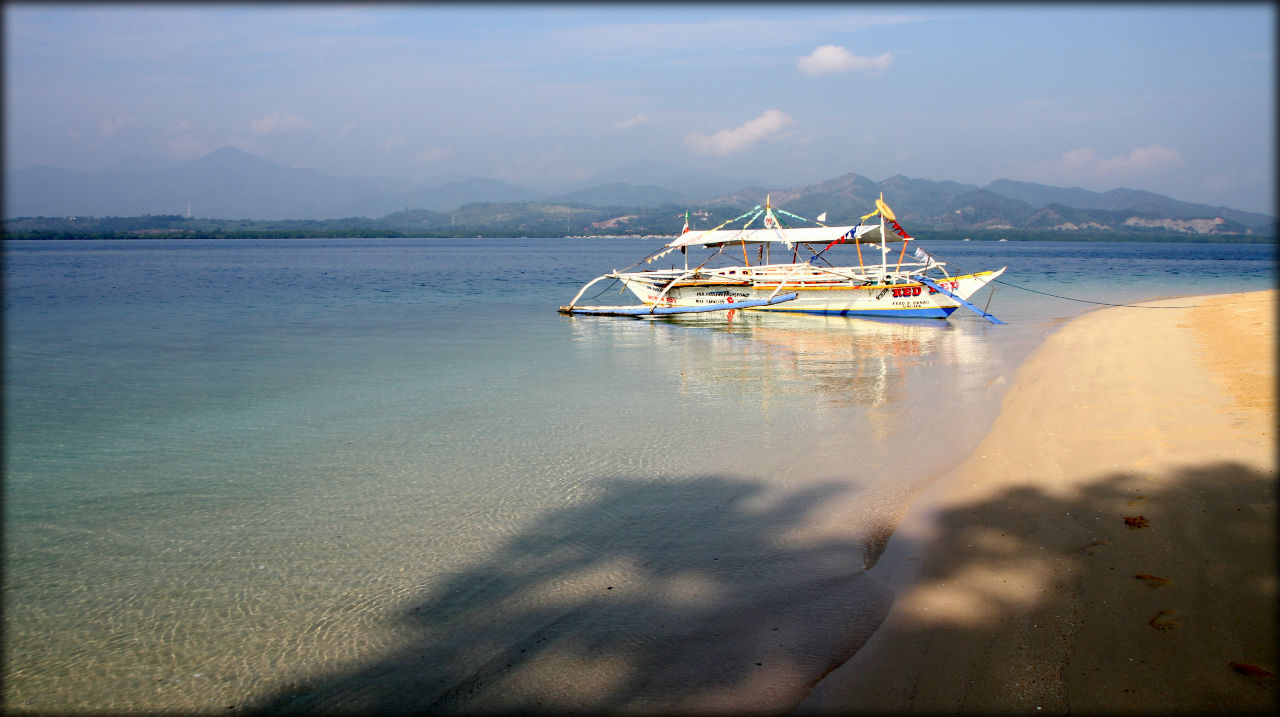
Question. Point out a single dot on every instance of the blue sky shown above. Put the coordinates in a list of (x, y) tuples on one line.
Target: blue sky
[(1177, 99)]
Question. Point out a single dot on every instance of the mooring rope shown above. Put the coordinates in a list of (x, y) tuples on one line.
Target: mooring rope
[(1086, 301), (607, 287)]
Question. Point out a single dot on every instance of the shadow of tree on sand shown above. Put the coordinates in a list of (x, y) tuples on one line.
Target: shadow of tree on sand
[(1129, 594), (688, 595)]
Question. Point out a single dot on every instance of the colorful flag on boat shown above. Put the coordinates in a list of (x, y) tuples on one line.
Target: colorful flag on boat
[(884, 208), (686, 221), (922, 256), (839, 240)]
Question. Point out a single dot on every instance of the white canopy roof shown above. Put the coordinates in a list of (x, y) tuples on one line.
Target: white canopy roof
[(863, 234)]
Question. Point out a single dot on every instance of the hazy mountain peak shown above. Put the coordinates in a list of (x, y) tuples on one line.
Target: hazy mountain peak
[(232, 152), (227, 157)]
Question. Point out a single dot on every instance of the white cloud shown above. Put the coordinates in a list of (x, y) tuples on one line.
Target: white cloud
[(1084, 165), (1143, 159), (832, 59), (110, 126), (730, 141), (1073, 160), (720, 37), (278, 123), (632, 122)]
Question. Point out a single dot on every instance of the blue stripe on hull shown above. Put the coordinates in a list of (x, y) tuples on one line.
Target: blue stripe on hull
[(934, 285), (933, 313)]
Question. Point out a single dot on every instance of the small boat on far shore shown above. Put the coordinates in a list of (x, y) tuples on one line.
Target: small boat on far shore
[(913, 284)]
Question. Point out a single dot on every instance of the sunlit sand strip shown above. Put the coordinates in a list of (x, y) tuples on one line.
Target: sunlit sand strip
[(1110, 546)]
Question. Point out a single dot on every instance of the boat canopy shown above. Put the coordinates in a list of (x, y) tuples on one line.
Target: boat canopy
[(859, 234)]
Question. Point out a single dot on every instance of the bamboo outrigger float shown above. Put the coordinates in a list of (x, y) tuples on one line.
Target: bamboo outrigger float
[(914, 285)]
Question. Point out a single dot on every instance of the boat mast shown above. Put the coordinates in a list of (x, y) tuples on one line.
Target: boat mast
[(884, 252), (684, 249)]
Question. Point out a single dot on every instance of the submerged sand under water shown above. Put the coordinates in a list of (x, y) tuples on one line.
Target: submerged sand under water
[(695, 538)]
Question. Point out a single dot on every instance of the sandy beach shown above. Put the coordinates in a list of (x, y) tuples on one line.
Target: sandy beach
[(1109, 546)]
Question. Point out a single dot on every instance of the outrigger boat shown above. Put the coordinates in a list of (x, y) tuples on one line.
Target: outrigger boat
[(913, 285)]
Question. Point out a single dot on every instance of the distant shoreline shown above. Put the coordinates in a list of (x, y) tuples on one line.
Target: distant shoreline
[(382, 233)]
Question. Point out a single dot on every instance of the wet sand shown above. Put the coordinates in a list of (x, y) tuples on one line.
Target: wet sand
[(1109, 546)]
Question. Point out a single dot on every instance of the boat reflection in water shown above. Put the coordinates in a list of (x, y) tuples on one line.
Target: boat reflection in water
[(843, 360), (880, 406)]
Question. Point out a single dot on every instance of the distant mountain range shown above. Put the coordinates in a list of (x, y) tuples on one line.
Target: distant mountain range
[(233, 184), (1006, 204)]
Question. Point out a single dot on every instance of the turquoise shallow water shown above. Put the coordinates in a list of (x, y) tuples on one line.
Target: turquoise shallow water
[(382, 473)]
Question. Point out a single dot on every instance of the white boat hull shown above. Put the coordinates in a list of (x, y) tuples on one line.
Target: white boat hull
[(908, 285), (819, 295)]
